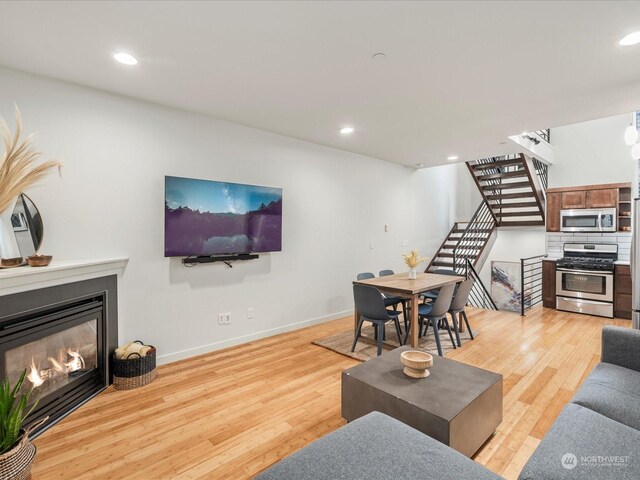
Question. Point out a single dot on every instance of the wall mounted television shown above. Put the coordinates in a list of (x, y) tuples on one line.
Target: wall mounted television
[(208, 218)]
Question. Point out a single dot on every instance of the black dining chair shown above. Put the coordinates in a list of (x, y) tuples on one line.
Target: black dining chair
[(393, 301), (370, 305), (433, 294), (432, 313), (456, 309), (367, 276)]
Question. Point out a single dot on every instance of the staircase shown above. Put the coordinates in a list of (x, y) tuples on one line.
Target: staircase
[(466, 241), (512, 187)]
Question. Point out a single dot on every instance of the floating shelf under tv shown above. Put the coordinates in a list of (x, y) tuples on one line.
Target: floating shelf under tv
[(219, 258)]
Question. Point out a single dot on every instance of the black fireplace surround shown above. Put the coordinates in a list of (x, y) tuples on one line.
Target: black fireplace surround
[(63, 337)]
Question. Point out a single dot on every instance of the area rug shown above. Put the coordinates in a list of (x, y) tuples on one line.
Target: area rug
[(341, 342)]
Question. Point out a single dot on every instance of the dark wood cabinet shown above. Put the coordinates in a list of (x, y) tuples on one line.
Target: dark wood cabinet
[(549, 283), (603, 198), (574, 199), (607, 195), (554, 205), (622, 292)]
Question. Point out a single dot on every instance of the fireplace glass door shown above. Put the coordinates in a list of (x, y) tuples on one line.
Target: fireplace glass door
[(56, 360)]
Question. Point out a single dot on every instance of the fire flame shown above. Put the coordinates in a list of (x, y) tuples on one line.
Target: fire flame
[(76, 363), (34, 375), (37, 376)]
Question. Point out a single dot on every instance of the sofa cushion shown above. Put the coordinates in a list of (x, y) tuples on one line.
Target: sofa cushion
[(614, 392), (376, 446), (582, 444)]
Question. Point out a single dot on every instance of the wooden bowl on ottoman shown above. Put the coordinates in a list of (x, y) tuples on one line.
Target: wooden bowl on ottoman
[(416, 363)]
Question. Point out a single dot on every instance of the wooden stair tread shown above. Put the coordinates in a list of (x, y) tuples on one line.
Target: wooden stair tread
[(506, 186), (519, 214), (450, 246), (497, 164), (513, 205), (524, 223), (496, 176), (510, 195), (460, 255), (484, 230)]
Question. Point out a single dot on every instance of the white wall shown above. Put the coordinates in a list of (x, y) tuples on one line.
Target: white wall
[(592, 152), (511, 245), (116, 152)]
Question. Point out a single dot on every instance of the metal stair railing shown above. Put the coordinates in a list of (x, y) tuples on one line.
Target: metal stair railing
[(479, 296), (475, 237), (530, 282), (542, 170)]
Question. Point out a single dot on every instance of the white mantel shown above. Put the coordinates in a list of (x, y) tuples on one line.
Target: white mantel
[(22, 279)]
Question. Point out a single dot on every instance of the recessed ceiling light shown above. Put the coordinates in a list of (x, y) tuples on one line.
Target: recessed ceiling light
[(125, 58), (451, 158), (631, 39), (346, 130), (379, 57), (524, 133), (419, 165)]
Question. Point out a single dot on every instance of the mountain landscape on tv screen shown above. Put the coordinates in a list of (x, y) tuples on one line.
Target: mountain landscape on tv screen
[(252, 222)]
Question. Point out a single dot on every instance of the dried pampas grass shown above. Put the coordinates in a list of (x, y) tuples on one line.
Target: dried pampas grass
[(413, 259), (18, 168)]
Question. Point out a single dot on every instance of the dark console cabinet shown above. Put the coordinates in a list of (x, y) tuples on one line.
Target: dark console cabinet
[(549, 283), (622, 289)]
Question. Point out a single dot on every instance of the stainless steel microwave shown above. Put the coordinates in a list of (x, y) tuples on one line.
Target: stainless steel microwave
[(588, 220)]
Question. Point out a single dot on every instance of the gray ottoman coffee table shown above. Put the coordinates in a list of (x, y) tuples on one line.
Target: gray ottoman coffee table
[(457, 404)]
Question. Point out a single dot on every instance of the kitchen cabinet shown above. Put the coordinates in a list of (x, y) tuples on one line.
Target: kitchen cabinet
[(574, 199), (554, 203), (603, 198), (622, 292), (549, 283), (608, 195)]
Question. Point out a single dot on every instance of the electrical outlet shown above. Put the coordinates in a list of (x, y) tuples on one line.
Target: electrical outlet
[(405, 243), (371, 244), (227, 318), (250, 312), (387, 227), (221, 319)]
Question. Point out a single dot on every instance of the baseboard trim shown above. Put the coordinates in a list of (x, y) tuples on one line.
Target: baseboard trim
[(231, 342)]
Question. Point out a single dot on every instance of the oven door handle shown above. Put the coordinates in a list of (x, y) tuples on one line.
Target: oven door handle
[(586, 272)]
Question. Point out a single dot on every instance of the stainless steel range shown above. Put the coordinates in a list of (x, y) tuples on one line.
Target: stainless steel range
[(584, 278)]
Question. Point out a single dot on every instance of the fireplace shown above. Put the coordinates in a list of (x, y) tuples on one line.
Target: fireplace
[(62, 337)]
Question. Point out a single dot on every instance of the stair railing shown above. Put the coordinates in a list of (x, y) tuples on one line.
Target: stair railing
[(530, 282), (542, 170), (479, 296), (544, 134), (474, 238)]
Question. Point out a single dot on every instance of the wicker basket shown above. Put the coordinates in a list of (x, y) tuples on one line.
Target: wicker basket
[(16, 463), (134, 371)]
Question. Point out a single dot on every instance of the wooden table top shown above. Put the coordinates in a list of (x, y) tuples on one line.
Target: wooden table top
[(400, 282)]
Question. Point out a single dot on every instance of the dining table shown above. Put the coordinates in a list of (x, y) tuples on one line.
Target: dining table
[(401, 285)]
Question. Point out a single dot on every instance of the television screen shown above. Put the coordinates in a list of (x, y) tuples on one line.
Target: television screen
[(203, 217)]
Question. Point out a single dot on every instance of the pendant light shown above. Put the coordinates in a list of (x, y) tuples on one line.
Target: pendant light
[(631, 135)]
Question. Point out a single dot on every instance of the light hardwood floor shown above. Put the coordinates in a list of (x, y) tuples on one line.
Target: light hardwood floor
[(232, 413)]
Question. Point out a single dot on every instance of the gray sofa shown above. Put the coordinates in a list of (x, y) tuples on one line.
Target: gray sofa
[(596, 436)]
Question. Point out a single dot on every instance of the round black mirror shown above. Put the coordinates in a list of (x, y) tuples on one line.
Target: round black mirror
[(27, 226)]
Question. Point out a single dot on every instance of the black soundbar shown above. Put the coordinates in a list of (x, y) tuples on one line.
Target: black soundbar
[(219, 258)]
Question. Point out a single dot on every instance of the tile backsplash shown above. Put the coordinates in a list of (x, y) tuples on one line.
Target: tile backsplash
[(556, 240)]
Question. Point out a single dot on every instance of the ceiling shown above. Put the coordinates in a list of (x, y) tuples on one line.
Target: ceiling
[(458, 78)]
